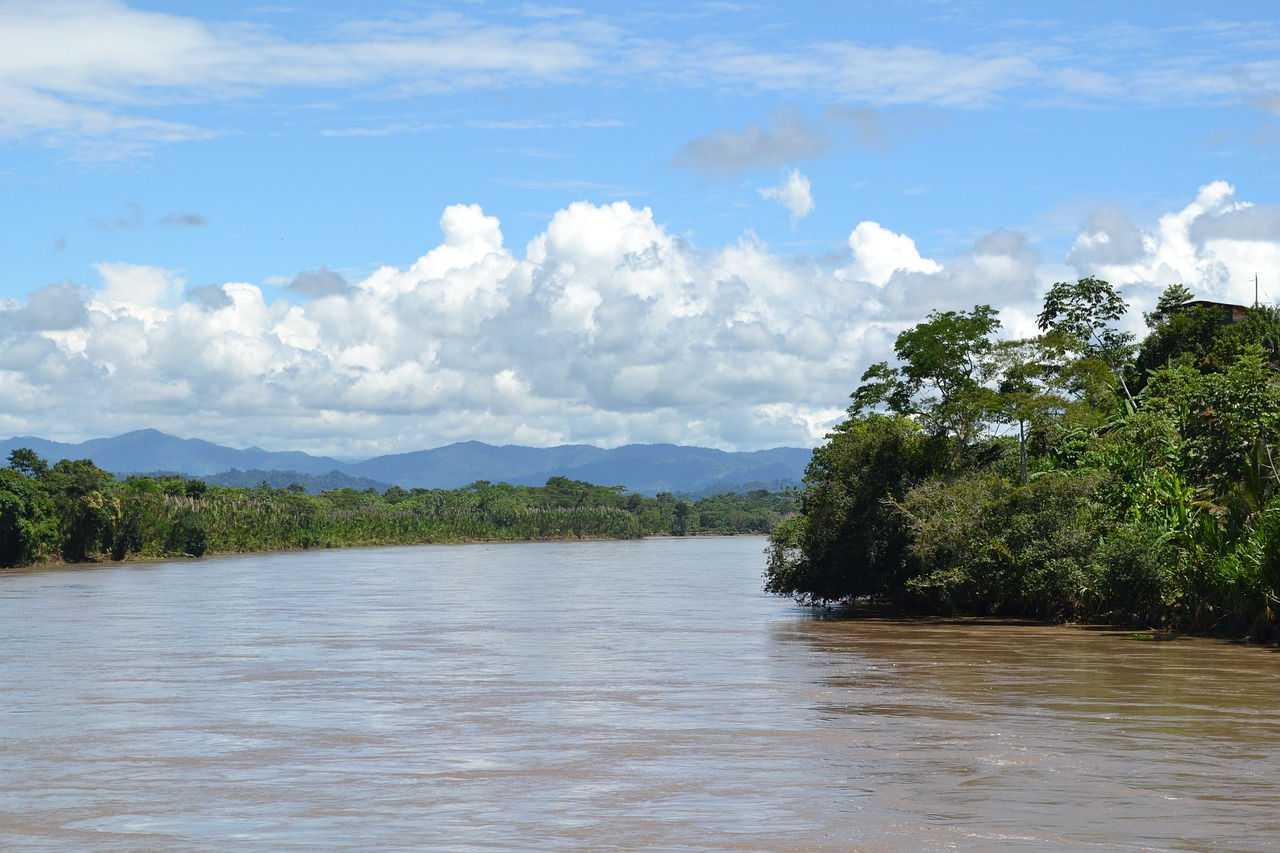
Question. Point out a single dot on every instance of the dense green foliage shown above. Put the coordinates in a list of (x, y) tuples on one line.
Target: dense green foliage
[(74, 511), (1078, 474), (311, 483)]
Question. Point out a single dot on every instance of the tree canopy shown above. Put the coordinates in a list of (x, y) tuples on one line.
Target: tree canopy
[(1076, 474), (942, 377), (75, 511)]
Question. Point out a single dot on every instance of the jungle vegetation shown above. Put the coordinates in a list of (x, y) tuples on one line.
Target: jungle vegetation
[(74, 511), (1080, 474)]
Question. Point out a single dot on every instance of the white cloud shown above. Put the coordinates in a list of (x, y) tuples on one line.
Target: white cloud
[(1214, 245), (109, 80), (138, 290), (321, 282), (793, 194), (882, 76), (83, 73), (606, 329), (54, 307), (878, 253)]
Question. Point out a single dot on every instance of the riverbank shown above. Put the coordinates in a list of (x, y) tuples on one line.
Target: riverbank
[(75, 512), (893, 613), (101, 560)]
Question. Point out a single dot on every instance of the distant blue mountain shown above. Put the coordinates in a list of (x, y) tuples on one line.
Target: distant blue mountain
[(147, 450), (645, 468), (466, 462)]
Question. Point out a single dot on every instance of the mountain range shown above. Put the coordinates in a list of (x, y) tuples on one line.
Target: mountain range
[(645, 468)]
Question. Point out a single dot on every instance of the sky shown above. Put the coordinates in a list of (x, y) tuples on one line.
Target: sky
[(375, 227)]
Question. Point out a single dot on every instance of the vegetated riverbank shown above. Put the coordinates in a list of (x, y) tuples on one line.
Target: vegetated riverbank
[(75, 512), (892, 615), (1075, 476)]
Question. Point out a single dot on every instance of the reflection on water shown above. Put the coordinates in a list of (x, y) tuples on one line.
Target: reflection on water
[(598, 696)]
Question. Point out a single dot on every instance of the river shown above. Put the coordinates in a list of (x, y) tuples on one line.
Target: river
[(610, 696)]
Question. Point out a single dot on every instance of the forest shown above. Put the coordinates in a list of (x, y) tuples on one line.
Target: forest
[(1080, 474), (73, 511)]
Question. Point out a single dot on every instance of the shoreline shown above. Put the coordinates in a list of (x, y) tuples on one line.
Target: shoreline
[(107, 562)]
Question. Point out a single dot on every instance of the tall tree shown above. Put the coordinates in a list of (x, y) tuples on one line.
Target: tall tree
[(80, 492), (1085, 313), (19, 514), (1030, 392), (1171, 301), (943, 377)]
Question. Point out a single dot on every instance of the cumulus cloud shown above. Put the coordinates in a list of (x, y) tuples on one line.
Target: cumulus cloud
[(138, 288), (793, 194), (788, 135), (1108, 239), (321, 282), (1214, 245), (878, 253), (605, 328), (53, 308), (1242, 223), (210, 296)]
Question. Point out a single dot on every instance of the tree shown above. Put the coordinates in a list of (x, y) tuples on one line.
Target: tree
[(1260, 327), (1163, 511), (19, 515), (1168, 305), (80, 491), (1193, 333), (1229, 421), (25, 461), (683, 521), (849, 539), (942, 380), (983, 546), (1029, 392), (1084, 313), (189, 534)]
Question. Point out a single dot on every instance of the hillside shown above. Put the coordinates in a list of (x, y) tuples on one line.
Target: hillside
[(644, 468)]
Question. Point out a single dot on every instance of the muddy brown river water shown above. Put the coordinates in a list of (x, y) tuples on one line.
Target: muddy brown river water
[(609, 696)]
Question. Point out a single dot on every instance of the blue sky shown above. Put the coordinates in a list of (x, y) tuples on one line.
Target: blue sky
[(358, 228)]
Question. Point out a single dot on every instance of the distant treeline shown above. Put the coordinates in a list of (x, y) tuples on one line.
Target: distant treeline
[(312, 484), (1078, 474), (74, 511)]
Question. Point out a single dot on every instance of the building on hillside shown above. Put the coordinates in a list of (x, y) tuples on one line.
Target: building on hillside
[(1231, 313)]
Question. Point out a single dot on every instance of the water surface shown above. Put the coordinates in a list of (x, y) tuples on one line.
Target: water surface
[(598, 696)]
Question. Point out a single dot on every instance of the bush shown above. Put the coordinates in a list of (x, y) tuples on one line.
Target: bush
[(189, 534), (1129, 574), (982, 544)]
